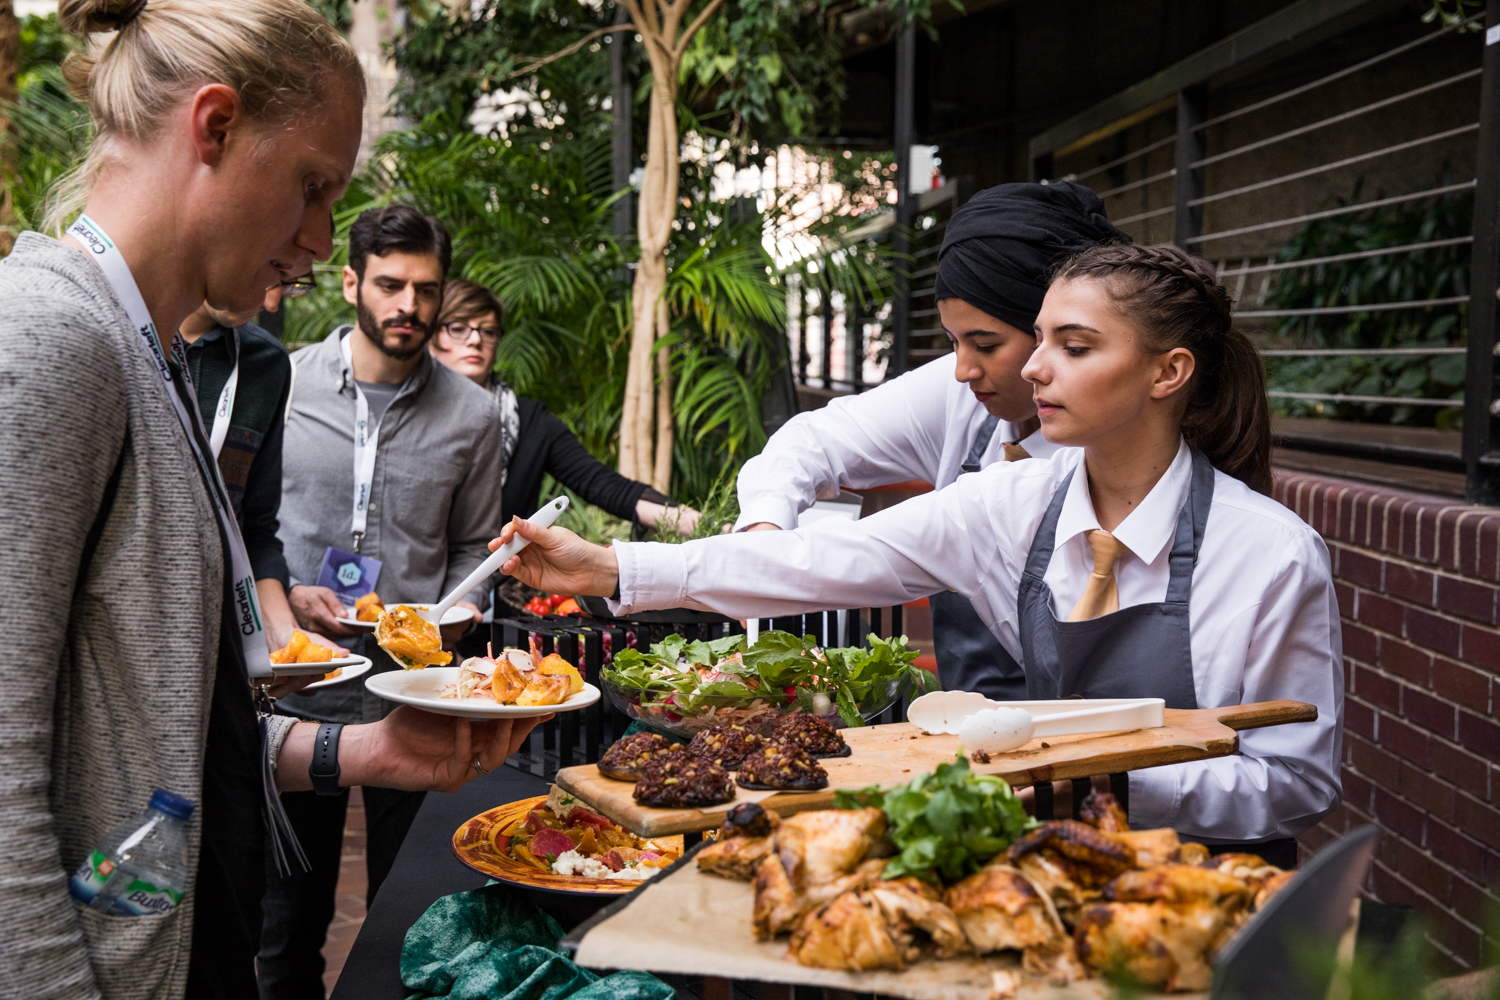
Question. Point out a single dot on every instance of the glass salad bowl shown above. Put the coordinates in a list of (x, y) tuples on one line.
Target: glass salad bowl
[(679, 688)]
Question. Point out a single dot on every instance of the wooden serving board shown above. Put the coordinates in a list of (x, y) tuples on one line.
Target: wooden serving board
[(896, 753)]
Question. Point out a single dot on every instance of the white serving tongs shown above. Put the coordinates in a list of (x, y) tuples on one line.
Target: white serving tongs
[(543, 518)]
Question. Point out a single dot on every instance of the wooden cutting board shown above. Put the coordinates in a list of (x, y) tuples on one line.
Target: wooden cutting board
[(896, 753)]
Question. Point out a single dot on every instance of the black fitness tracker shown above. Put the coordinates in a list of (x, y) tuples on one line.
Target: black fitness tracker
[(324, 769)]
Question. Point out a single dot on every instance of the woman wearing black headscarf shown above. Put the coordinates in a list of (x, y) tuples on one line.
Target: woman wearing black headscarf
[(957, 414)]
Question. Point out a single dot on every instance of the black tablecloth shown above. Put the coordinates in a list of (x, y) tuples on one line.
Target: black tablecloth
[(424, 870)]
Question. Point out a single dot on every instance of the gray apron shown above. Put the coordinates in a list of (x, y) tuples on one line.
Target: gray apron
[(969, 658), (1143, 651)]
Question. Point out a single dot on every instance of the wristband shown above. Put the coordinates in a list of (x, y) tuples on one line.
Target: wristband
[(324, 768)]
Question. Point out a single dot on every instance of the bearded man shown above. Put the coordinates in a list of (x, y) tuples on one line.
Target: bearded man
[(388, 472)]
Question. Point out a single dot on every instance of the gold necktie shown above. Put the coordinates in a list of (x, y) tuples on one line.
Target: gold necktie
[(1014, 452), (1100, 595)]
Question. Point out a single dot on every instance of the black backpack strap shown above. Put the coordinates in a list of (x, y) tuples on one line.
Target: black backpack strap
[(106, 507)]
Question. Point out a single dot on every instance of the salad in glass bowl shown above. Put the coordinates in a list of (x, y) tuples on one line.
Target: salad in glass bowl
[(680, 687)]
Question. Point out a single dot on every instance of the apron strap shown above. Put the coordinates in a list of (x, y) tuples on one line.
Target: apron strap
[(1046, 533), (981, 443), (1190, 525)]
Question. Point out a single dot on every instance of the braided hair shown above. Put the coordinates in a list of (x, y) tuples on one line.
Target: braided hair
[(1176, 300)]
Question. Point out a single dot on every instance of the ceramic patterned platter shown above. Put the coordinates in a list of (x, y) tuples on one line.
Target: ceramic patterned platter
[(482, 841)]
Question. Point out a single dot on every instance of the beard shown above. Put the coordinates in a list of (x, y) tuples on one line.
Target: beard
[(376, 331)]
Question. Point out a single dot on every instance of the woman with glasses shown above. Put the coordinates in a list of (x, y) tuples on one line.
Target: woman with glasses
[(536, 442)]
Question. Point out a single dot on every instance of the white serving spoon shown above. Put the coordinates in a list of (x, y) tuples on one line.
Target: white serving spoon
[(543, 518), (1003, 729)]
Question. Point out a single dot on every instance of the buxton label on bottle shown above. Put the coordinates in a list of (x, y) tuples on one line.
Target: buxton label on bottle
[(139, 898)]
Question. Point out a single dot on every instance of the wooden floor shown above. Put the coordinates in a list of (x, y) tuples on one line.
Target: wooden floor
[(349, 912)]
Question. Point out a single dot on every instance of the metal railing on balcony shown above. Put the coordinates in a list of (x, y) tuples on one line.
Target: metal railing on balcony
[(1202, 156)]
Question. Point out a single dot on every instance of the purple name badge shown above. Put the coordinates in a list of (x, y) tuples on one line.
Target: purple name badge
[(347, 574)]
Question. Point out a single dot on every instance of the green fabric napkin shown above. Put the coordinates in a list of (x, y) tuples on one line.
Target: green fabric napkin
[(495, 944)]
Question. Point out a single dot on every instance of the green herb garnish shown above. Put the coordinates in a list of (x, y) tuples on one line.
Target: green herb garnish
[(949, 823)]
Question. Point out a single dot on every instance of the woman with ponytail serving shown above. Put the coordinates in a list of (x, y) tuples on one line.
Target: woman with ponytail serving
[(224, 132), (1147, 563)]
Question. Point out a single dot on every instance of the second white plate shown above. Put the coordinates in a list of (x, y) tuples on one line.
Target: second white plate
[(357, 670), (327, 666), (420, 689), (453, 617)]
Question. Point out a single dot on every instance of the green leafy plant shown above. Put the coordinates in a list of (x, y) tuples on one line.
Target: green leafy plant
[(947, 824), (1440, 272)]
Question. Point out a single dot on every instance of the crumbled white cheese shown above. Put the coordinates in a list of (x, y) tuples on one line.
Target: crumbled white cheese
[(573, 863), (561, 803)]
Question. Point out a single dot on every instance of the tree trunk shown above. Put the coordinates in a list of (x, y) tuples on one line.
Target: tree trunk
[(10, 64), (639, 447)]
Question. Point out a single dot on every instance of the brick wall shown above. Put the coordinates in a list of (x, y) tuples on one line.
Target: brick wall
[(1418, 578)]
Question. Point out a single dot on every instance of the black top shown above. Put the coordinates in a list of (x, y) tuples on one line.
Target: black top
[(545, 445), (250, 460)]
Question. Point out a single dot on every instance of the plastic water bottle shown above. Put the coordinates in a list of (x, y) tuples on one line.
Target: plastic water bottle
[(140, 867)]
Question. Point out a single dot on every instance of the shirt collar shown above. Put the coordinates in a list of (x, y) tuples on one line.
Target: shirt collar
[(413, 384), (1149, 527)]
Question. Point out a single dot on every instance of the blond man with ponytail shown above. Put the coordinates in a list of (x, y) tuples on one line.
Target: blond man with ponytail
[(1143, 561), (224, 132)]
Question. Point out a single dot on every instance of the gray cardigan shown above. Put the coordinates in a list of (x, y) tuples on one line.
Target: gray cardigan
[(105, 680)]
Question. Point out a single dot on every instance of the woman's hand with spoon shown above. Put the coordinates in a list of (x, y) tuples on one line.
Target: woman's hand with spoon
[(558, 561)]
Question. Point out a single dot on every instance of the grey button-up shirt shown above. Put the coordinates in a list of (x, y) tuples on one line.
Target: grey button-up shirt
[(434, 501)]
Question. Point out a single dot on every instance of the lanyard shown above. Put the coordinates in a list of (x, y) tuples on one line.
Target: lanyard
[(225, 408), (366, 443), (117, 273)]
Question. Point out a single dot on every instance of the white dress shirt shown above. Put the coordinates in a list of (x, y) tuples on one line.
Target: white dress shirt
[(918, 426), (1264, 618)]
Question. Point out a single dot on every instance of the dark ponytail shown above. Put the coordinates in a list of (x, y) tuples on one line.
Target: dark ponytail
[(1176, 301)]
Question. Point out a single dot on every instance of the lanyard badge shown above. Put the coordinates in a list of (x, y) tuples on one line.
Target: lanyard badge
[(251, 624)]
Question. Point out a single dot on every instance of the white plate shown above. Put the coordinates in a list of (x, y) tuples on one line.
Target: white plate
[(303, 669), (358, 669), (420, 688), (453, 617)]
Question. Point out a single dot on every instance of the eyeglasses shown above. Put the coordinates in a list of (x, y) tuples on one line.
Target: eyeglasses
[(457, 334), (300, 285)]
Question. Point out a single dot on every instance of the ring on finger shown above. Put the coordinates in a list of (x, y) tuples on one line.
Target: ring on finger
[(478, 766)]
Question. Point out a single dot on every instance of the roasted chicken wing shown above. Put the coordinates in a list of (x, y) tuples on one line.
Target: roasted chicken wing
[(998, 907), (779, 904), (1088, 856), (874, 928), (1157, 944), (1103, 810), (817, 847), (745, 840)]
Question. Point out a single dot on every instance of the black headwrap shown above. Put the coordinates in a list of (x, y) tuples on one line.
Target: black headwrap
[(1001, 245)]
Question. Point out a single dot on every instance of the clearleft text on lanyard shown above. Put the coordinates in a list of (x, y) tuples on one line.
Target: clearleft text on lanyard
[(117, 273)]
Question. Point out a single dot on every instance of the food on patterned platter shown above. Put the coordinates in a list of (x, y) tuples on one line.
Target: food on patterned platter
[(368, 607), (301, 650), (564, 837), (511, 680), (683, 687), (411, 640), (745, 840), (812, 733), (726, 745), (675, 779), (623, 760), (782, 767)]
